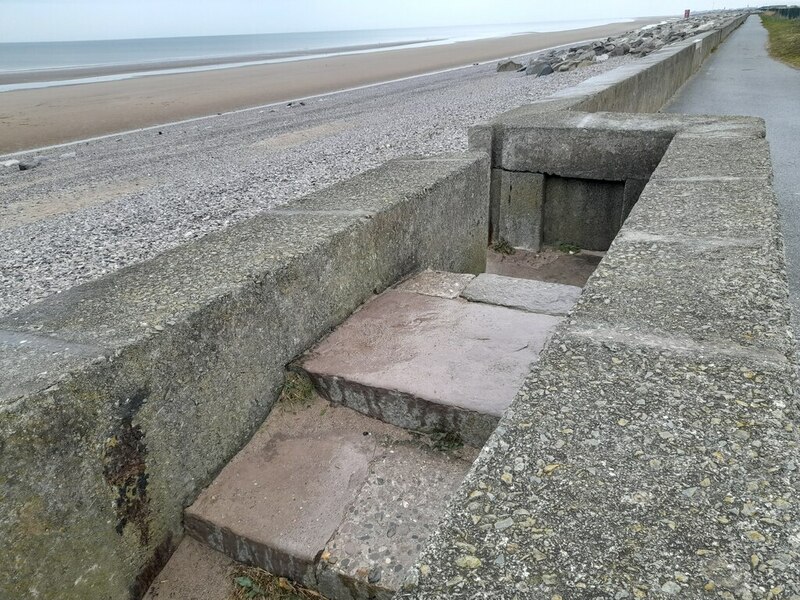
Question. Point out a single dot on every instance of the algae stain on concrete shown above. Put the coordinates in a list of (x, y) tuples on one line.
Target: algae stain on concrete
[(125, 470)]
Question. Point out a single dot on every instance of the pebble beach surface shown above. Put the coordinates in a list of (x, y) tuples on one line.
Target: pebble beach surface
[(94, 207)]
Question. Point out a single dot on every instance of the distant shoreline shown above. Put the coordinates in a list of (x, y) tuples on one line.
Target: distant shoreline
[(42, 117), (70, 73)]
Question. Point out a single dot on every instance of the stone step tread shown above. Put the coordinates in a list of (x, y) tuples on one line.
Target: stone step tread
[(436, 283), (194, 572), (329, 498), (429, 363), (523, 294)]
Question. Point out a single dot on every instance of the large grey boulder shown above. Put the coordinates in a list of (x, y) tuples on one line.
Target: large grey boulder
[(505, 66), (538, 68)]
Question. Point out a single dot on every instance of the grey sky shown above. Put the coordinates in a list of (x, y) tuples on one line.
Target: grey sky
[(41, 20)]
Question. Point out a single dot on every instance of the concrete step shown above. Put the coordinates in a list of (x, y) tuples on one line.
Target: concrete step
[(330, 498), (423, 360), (522, 294), (194, 572)]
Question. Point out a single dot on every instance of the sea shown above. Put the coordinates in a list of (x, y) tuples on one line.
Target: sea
[(34, 62)]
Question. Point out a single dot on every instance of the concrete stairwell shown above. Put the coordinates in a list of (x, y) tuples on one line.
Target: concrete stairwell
[(342, 485)]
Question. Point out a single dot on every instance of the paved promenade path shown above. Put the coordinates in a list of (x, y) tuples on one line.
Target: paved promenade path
[(742, 79)]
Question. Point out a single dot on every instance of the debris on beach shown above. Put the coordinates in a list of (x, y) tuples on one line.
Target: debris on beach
[(31, 163)]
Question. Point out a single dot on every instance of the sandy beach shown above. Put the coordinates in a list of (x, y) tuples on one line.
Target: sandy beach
[(97, 206), (41, 117)]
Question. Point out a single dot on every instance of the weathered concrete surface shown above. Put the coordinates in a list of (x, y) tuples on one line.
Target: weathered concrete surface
[(582, 212), (521, 202), (601, 146), (429, 364), (436, 283), (742, 79), (627, 469), (276, 504), (329, 498), (652, 451), (122, 398), (697, 157), (384, 529), (523, 294), (574, 177), (194, 572)]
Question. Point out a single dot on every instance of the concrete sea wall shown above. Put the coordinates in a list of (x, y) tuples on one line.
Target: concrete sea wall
[(127, 395), (652, 451), (130, 393)]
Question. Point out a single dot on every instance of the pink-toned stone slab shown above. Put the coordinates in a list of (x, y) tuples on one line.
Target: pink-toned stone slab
[(428, 363), (194, 572), (278, 502), (327, 497)]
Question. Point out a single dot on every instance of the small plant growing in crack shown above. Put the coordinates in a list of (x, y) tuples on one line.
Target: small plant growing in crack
[(252, 583), (569, 248), (297, 391), (501, 246), (446, 440)]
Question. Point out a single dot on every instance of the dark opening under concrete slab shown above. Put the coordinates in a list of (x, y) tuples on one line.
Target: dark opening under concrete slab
[(428, 363)]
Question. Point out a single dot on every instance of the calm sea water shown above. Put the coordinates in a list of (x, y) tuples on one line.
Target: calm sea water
[(20, 57)]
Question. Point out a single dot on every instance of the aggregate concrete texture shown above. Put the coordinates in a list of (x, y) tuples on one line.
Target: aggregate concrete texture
[(522, 294), (428, 364), (742, 79), (113, 422), (652, 451), (385, 528)]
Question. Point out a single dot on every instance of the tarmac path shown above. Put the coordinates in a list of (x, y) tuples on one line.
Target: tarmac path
[(740, 78)]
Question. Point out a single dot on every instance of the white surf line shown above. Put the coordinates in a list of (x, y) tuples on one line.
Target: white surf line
[(280, 102), (387, 47), (39, 85)]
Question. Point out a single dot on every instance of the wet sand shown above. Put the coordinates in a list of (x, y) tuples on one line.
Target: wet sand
[(35, 118)]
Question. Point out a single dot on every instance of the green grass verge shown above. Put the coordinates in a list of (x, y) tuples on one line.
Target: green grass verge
[(784, 38)]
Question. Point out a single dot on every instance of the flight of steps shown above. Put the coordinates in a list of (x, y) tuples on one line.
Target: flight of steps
[(340, 489)]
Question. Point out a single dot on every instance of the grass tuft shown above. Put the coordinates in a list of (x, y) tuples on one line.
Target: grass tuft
[(569, 248), (784, 38), (502, 246), (251, 583), (297, 391)]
